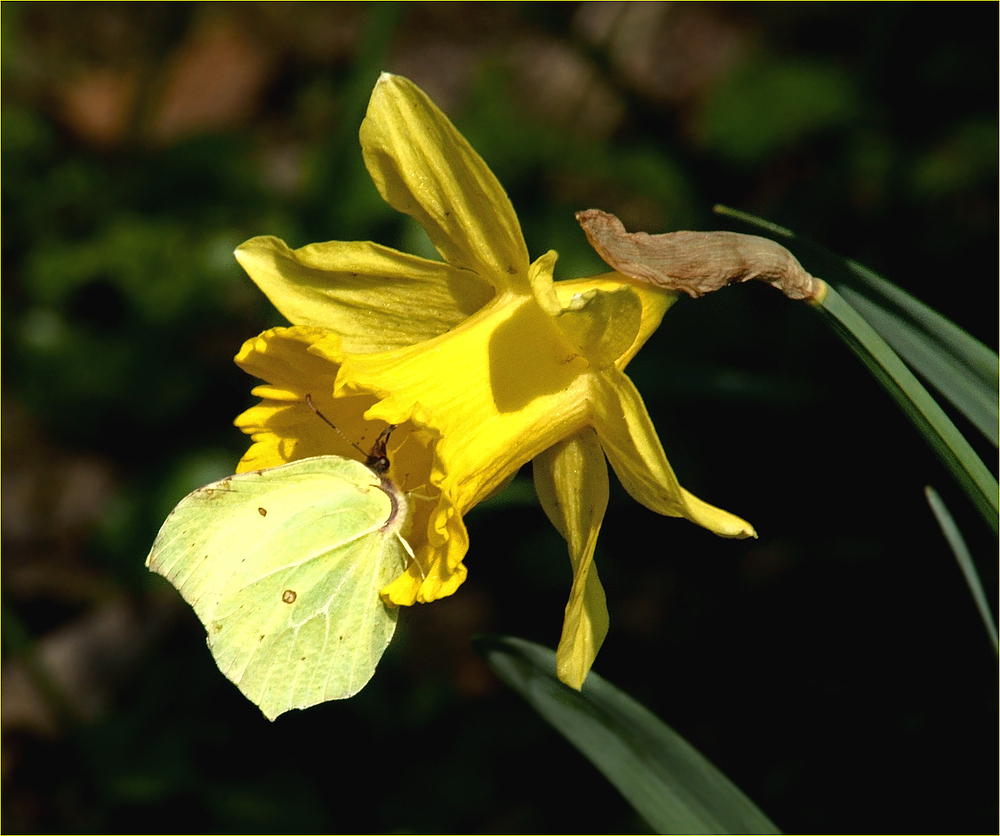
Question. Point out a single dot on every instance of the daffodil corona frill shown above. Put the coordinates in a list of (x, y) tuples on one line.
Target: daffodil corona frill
[(482, 360)]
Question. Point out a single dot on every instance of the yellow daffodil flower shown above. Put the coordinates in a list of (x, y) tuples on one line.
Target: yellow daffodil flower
[(482, 360)]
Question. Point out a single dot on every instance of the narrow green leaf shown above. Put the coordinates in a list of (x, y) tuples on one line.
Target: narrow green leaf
[(660, 774), (753, 220), (956, 380), (965, 562), (983, 362), (925, 413)]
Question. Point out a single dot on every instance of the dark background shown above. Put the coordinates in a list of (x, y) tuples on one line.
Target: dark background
[(835, 668)]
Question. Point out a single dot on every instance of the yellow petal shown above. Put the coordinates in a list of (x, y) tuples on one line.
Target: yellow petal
[(424, 167), (280, 356), (542, 286), (634, 451), (571, 479), (282, 426), (440, 542), (374, 297), (600, 319), (605, 326), (655, 303)]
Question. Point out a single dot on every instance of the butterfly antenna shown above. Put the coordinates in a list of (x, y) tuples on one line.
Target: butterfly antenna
[(335, 428), (377, 459)]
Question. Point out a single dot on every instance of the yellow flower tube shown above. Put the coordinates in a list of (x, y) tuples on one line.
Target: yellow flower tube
[(482, 360)]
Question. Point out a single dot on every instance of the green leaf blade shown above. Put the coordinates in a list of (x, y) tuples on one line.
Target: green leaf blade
[(954, 375), (934, 346), (965, 562), (923, 411), (674, 787), (981, 361)]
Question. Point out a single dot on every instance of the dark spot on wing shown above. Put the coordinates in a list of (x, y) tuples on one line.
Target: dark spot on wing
[(262, 511), (289, 596)]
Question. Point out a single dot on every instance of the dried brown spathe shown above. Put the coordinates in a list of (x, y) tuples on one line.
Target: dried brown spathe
[(696, 263)]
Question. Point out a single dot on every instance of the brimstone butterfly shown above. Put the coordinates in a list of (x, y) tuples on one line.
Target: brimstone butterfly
[(284, 568)]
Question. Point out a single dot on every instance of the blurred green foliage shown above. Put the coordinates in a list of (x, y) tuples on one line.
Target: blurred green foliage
[(764, 110), (842, 668)]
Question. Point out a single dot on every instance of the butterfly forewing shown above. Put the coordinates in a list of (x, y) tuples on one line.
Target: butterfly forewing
[(284, 568)]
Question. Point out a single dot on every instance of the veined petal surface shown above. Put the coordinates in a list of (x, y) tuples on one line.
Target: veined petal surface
[(424, 167), (375, 298)]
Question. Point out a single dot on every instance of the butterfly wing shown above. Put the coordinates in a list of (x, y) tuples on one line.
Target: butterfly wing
[(284, 568)]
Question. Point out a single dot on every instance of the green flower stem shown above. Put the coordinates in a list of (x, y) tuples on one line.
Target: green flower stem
[(943, 436)]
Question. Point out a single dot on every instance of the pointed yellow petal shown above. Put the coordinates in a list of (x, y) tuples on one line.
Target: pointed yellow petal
[(634, 451), (374, 297), (542, 286), (571, 479), (424, 167)]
